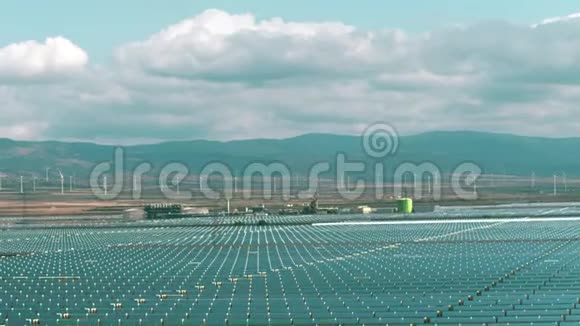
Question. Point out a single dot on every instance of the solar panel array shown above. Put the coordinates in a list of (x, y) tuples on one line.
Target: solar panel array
[(452, 273)]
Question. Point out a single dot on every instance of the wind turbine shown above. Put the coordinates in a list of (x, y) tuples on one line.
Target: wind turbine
[(61, 181), (21, 184), (47, 169), (565, 181)]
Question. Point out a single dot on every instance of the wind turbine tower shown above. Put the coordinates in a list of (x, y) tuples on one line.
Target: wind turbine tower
[(565, 181), (61, 181)]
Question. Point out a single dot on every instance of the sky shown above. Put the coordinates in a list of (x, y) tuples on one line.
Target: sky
[(146, 71)]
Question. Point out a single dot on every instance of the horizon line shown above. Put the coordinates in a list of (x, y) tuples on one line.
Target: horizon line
[(169, 141)]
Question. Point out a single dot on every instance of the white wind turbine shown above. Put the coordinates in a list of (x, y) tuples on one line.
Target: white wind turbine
[(61, 181)]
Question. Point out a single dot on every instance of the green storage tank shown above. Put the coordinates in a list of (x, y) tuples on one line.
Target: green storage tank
[(405, 205)]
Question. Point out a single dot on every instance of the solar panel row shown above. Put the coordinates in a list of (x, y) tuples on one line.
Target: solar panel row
[(457, 273)]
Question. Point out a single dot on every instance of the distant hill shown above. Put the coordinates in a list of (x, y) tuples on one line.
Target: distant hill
[(495, 153)]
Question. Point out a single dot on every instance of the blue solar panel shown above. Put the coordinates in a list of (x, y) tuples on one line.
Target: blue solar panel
[(154, 273)]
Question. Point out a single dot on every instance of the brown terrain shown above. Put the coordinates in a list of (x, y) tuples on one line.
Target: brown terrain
[(50, 202)]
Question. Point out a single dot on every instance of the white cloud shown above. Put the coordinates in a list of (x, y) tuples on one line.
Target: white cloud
[(220, 46), (24, 131), (226, 76), (28, 59), (559, 19)]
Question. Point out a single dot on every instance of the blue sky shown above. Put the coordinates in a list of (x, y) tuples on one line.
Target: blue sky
[(146, 71), (100, 26)]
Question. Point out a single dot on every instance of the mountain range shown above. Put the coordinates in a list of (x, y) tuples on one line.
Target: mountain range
[(495, 153)]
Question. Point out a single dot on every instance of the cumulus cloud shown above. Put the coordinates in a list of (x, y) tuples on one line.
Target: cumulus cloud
[(221, 46), (55, 56), (560, 19), (226, 76)]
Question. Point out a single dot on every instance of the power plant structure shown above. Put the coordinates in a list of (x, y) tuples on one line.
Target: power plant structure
[(163, 211), (405, 206)]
